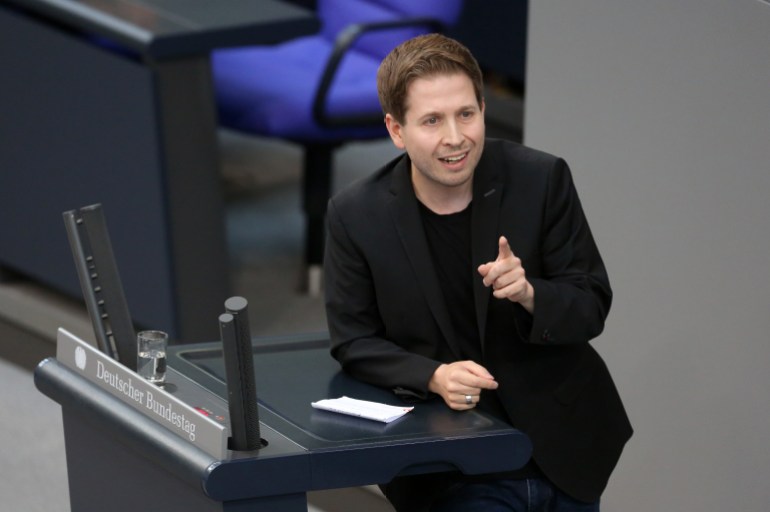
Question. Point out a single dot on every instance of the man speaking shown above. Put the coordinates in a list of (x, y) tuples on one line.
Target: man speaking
[(465, 270)]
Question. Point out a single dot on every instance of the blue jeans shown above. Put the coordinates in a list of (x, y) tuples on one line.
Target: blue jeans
[(526, 495)]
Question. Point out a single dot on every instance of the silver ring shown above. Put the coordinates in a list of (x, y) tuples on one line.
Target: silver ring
[(469, 399)]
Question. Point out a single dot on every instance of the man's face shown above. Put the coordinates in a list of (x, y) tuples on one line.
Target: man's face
[(443, 133)]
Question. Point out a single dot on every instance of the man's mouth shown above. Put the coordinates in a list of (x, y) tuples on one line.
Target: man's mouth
[(453, 159)]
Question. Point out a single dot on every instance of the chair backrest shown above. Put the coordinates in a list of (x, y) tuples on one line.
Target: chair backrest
[(336, 15)]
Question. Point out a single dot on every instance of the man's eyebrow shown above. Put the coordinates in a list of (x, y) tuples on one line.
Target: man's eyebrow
[(463, 108), (429, 114)]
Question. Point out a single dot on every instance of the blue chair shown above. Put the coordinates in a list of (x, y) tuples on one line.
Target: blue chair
[(320, 91)]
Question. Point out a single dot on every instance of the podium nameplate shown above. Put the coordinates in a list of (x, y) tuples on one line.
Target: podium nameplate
[(151, 400)]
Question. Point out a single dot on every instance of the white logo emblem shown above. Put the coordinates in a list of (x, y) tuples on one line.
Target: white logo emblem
[(80, 358)]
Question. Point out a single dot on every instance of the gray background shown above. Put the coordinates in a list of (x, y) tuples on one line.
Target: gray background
[(661, 108)]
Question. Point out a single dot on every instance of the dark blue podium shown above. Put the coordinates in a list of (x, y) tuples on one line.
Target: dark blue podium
[(121, 460)]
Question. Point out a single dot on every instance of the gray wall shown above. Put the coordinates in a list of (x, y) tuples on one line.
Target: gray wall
[(662, 109)]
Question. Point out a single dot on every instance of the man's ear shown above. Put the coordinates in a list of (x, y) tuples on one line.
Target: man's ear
[(394, 129)]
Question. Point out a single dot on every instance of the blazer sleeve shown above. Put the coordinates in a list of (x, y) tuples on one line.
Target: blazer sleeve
[(358, 334), (572, 290)]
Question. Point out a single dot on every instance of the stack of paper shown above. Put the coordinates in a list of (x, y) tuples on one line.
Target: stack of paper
[(362, 408)]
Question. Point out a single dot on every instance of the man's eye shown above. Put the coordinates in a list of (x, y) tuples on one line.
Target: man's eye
[(431, 120)]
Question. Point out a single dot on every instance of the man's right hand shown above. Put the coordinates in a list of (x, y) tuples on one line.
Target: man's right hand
[(457, 381)]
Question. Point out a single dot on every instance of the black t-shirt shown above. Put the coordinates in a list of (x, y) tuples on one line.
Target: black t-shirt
[(449, 240)]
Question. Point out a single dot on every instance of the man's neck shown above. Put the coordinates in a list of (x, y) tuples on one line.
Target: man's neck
[(444, 200)]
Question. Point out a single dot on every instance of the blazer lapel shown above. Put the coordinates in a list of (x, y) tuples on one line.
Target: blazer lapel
[(405, 212), (487, 194)]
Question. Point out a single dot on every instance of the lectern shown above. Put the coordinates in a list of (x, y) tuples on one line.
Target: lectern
[(125, 456)]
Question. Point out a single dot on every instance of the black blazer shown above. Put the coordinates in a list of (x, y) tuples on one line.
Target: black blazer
[(390, 325)]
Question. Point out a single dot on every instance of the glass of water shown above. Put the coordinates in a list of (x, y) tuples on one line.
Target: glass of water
[(151, 355)]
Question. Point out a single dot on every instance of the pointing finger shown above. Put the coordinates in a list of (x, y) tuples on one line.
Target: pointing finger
[(504, 250)]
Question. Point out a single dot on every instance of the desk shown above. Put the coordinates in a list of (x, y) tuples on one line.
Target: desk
[(112, 450), (133, 130)]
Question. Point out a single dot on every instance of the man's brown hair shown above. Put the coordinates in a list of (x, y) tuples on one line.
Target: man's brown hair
[(423, 57)]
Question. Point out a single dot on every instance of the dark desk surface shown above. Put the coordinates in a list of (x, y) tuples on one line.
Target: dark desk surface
[(348, 451), (166, 28)]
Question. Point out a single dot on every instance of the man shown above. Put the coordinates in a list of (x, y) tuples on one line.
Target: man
[(465, 269)]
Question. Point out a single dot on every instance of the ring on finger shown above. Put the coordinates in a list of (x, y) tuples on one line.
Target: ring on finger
[(468, 399)]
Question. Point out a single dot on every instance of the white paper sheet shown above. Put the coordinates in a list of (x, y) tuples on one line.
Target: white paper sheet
[(362, 408)]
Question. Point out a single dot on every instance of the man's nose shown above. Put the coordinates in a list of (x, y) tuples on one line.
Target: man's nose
[(453, 135)]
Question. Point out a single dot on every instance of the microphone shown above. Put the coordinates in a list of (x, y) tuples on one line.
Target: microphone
[(239, 372)]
